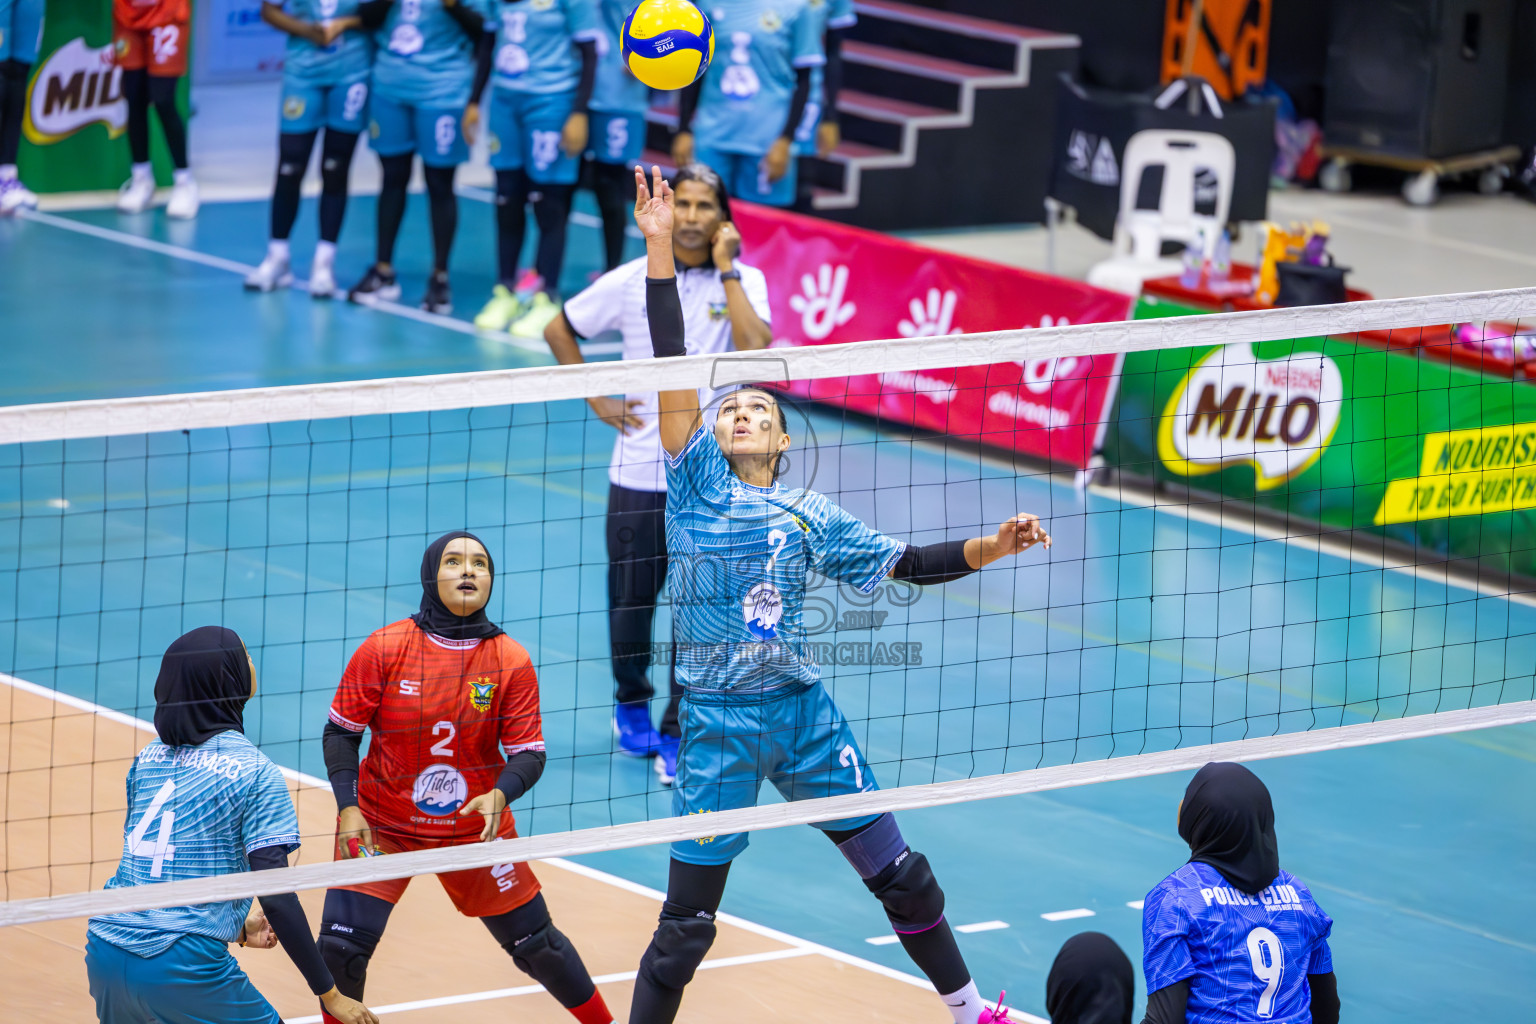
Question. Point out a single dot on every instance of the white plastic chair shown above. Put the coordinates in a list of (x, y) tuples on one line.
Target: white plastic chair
[(1140, 234)]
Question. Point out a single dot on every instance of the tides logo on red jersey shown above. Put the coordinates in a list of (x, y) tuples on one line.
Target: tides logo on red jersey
[(440, 790)]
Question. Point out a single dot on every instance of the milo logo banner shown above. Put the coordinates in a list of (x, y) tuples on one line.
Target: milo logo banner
[(1349, 435)]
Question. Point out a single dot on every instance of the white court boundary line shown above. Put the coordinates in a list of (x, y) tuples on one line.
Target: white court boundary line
[(799, 946), (802, 812)]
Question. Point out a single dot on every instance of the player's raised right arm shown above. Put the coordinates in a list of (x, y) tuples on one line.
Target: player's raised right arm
[(653, 215)]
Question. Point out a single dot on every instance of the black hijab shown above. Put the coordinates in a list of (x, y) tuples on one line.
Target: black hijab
[(435, 617), (204, 682), (1229, 823), (1091, 982)]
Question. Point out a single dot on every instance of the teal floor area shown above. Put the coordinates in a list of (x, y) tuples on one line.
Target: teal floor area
[(1141, 631)]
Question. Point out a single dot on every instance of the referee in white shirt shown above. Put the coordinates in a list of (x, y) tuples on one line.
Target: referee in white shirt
[(725, 307)]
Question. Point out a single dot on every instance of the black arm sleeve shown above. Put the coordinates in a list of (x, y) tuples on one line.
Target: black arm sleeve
[(1325, 998), (485, 52), (687, 104), (372, 12), (470, 21), (588, 50), (522, 770), (664, 311), (797, 102), (288, 922), (832, 76), (932, 563), (1168, 1005), (341, 748)]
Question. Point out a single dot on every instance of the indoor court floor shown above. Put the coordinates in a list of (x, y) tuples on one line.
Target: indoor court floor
[(1420, 850)]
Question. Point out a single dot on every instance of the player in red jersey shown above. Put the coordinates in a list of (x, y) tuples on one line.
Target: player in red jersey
[(445, 692), (151, 41)]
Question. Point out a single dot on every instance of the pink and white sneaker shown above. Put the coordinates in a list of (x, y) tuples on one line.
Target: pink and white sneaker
[(999, 1015)]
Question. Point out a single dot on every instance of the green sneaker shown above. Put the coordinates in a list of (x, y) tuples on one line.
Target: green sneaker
[(540, 311), (502, 310)]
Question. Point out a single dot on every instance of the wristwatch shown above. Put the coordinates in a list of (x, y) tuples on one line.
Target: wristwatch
[(730, 275)]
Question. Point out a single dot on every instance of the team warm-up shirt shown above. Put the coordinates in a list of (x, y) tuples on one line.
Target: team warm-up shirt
[(738, 561), (1246, 957), (142, 14), (195, 811), (535, 49), (746, 94), (424, 58), (438, 709), (616, 91), (350, 55), (616, 302)]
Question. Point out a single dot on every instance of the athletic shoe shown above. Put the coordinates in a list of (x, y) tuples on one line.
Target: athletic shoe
[(322, 282), (136, 195), (632, 725), (274, 272), (541, 310), (15, 196), (376, 286), (503, 308), (438, 298), (184, 200), (666, 760), (997, 1016)]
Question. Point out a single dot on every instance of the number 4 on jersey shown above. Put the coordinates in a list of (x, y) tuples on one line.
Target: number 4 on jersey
[(161, 850)]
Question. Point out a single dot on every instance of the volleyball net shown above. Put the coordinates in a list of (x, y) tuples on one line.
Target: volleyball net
[(1274, 532)]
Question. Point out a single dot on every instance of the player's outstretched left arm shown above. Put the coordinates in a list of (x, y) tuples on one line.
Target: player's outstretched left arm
[(653, 216)]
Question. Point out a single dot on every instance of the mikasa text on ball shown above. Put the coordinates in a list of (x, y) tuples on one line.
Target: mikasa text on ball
[(667, 43)]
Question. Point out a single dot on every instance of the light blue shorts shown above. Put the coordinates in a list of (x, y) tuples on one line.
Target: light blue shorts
[(21, 31), (525, 130), (196, 981), (342, 107), (744, 177), (616, 138), (801, 743), (435, 132)]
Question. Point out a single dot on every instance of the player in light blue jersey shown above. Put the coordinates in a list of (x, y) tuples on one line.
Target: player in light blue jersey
[(432, 57), (546, 65), (619, 103), (820, 130), (203, 801), (741, 117), (325, 85), (21, 30), (754, 707), (1231, 937)]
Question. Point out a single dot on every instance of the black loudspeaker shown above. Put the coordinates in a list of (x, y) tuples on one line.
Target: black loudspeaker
[(1421, 79)]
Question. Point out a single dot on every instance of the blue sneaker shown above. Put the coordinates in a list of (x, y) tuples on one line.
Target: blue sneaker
[(632, 725), (666, 760)]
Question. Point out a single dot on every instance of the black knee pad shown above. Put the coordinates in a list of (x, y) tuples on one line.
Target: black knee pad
[(909, 892), (293, 154), (346, 952), (537, 954), (336, 159), (678, 947)]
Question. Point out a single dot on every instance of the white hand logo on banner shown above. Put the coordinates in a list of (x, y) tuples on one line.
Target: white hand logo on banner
[(934, 319), (821, 308)]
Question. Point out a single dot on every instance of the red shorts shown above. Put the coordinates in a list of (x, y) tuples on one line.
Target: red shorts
[(162, 49), (477, 892)]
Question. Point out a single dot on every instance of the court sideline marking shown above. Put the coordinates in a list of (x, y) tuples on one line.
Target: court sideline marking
[(799, 946)]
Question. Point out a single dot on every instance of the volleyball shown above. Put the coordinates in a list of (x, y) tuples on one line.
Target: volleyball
[(667, 44)]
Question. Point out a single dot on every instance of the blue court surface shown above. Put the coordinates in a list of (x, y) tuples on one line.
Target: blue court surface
[(1140, 631)]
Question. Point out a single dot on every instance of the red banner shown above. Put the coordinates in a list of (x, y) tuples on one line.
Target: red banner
[(831, 283)]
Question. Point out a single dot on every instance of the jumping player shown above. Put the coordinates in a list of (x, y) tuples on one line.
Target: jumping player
[(546, 64), (202, 801), (325, 85), (1231, 937), (754, 708), (433, 57), (820, 130), (151, 40), (619, 102), (444, 691), (21, 30)]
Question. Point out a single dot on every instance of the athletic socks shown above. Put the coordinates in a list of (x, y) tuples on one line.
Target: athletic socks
[(325, 254), (181, 176), (277, 249), (143, 170), (966, 1004), (593, 1011), (7, 172)]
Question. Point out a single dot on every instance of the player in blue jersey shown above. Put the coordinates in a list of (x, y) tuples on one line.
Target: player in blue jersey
[(754, 708), (741, 117), (21, 30), (1231, 937), (546, 64), (325, 85), (617, 138), (820, 130), (202, 801), (431, 58)]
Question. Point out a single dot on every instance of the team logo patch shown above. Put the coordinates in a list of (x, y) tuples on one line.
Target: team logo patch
[(762, 609), (481, 692), (440, 790), (718, 311), (771, 21), (542, 5), (293, 108)]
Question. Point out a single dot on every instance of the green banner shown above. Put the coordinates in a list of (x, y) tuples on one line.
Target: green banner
[(74, 131), (1352, 436)]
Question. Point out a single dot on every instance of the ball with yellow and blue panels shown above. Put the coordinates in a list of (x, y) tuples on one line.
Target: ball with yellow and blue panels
[(667, 44)]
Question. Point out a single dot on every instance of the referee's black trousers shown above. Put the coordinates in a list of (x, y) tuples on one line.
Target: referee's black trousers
[(637, 568)]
